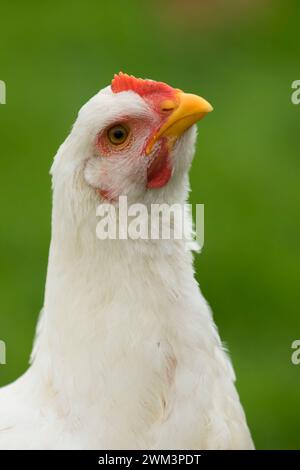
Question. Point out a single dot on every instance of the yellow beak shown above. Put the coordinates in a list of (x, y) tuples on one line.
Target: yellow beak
[(188, 109)]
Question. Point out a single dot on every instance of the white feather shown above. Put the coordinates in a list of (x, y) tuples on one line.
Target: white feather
[(127, 354)]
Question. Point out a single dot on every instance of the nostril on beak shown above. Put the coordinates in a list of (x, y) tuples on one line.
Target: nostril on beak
[(167, 105)]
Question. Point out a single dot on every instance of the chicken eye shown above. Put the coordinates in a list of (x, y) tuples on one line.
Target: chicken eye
[(117, 134)]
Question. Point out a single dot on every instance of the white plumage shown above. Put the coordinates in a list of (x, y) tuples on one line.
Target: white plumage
[(127, 354)]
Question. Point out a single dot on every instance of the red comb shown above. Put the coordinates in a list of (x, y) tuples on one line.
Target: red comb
[(124, 82)]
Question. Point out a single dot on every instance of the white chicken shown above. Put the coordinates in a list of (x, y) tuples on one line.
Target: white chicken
[(127, 355)]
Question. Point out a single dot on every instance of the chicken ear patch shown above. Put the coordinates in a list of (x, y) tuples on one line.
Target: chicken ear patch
[(124, 82)]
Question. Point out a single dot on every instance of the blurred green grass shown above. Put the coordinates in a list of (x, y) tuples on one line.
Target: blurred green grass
[(54, 56)]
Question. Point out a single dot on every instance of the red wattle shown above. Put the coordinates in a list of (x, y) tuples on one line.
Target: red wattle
[(160, 170)]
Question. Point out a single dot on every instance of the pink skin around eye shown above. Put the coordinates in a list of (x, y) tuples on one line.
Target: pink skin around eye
[(136, 129), (159, 165), (105, 147)]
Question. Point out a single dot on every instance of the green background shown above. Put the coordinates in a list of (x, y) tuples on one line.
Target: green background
[(241, 56)]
